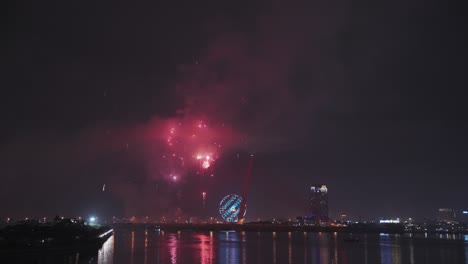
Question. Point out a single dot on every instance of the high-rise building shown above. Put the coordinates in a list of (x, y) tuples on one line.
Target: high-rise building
[(318, 204), (463, 216), (446, 215)]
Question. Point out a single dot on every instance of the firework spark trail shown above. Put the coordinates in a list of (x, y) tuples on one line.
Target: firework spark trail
[(192, 144), (235, 95), (237, 92)]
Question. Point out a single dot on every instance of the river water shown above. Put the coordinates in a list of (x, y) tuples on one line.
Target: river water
[(151, 246)]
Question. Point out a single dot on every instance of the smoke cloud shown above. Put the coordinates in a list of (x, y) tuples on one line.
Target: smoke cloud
[(244, 92)]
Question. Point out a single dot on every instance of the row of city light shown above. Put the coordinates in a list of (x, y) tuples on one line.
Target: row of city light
[(91, 219)]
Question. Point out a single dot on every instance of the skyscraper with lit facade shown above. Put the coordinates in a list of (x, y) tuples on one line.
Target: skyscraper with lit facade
[(318, 204)]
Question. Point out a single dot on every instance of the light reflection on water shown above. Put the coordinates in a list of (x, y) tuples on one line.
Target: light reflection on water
[(324, 243), (466, 249), (390, 249), (172, 244), (411, 246), (304, 242), (106, 253), (274, 247), (145, 246), (335, 248), (244, 249), (205, 248), (133, 247), (229, 247)]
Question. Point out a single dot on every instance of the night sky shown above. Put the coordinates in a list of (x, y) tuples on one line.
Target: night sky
[(367, 97)]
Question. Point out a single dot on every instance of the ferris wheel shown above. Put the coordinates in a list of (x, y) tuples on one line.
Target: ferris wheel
[(229, 207)]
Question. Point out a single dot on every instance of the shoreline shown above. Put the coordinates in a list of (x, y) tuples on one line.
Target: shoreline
[(367, 229)]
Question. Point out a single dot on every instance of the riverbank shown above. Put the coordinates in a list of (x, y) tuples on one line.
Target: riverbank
[(25, 238), (255, 227)]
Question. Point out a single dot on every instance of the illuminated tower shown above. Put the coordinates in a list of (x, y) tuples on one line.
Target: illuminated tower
[(318, 204)]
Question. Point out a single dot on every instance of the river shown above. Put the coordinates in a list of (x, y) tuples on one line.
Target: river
[(151, 246)]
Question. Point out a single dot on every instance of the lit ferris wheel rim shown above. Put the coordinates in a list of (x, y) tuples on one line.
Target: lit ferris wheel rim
[(229, 207)]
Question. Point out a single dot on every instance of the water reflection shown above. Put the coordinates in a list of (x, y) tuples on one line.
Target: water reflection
[(106, 253), (259, 248), (314, 250), (173, 243), (411, 246), (274, 247), (324, 241), (385, 249), (335, 248), (229, 250), (321, 249), (141, 246), (206, 248), (305, 248), (396, 250), (244, 248), (132, 247), (466, 249), (146, 247), (365, 250), (390, 249)]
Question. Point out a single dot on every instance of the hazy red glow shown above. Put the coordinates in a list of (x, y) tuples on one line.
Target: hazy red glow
[(235, 96), (183, 146), (206, 164), (232, 97)]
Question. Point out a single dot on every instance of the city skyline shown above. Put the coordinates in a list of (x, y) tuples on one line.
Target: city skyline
[(118, 108)]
